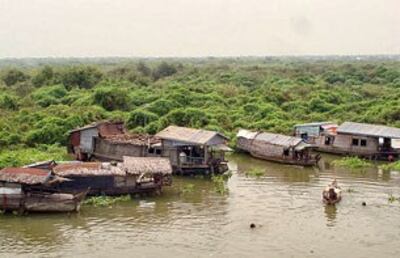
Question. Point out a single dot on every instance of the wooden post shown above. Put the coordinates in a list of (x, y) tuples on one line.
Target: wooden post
[(205, 154)]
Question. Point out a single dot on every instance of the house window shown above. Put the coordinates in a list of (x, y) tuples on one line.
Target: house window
[(151, 150), (363, 142), (355, 142), (158, 151)]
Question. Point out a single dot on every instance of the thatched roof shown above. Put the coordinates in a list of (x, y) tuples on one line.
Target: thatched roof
[(147, 165), (28, 176), (87, 169), (188, 135)]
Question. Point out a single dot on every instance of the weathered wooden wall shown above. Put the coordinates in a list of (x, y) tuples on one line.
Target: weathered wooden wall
[(116, 151), (343, 144), (244, 144), (86, 141)]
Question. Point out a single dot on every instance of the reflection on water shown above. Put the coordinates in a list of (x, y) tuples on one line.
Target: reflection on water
[(330, 213), (285, 204)]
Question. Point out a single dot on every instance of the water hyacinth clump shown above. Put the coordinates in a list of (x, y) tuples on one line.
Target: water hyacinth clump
[(352, 163), (189, 188), (106, 201), (391, 166), (219, 182), (255, 172), (392, 198)]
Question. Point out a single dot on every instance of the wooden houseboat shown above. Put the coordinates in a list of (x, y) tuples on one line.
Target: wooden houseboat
[(193, 151), (24, 190), (135, 175), (277, 148), (106, 141), (360, 139)]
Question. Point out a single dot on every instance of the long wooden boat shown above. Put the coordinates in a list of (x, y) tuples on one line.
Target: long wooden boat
[(27, 190), (289, 161), (277, 148), (41, 201), (135, 175)]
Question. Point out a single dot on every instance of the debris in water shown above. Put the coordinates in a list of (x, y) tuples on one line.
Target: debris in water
[(364, 204), (252, 225)]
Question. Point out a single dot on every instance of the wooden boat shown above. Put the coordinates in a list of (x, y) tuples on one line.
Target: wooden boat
[(332, 194), (277, 148), (27, 190), (40, 201)]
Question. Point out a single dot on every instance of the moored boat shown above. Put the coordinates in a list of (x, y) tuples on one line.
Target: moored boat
[(277, 148), (25, 190)]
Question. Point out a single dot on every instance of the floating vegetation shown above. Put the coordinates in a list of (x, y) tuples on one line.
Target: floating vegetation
[(350, 190), (352, 162), (106, 201), (255, 172), (189, 188), (220, 184), (392, 198), (391, 166)]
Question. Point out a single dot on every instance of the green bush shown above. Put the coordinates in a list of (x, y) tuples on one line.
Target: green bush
[(140, 118), (8, 102), (111, 98)]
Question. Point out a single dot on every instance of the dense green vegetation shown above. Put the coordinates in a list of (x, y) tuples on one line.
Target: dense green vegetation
[(106, 201), (352, 163), (391, 166), (39, 104)]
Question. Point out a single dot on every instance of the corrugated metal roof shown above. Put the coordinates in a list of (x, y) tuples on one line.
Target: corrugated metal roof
[(189, 135), (246, 134), (278, 139), (275, 139), (28, 176), (314, 124), (369, 130), (147, 165), (87, 169)]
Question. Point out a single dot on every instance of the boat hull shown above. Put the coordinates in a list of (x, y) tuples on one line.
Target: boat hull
[(41, 202), (309, 162)]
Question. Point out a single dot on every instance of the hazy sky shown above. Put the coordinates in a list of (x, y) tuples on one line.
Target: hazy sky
[(41, 28)]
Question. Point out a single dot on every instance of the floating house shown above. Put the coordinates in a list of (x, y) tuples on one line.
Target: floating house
[(311, 132), (25, 190), (194, 151), (276, 147), (133, 175), (360, 139), (108, 141)]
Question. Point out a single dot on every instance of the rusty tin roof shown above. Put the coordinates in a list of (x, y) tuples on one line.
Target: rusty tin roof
[(28, 176)]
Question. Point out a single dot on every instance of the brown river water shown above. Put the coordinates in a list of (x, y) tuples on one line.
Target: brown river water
[(284, 204)]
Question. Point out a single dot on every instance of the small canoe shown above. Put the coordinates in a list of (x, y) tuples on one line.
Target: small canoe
[(332, 194)]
